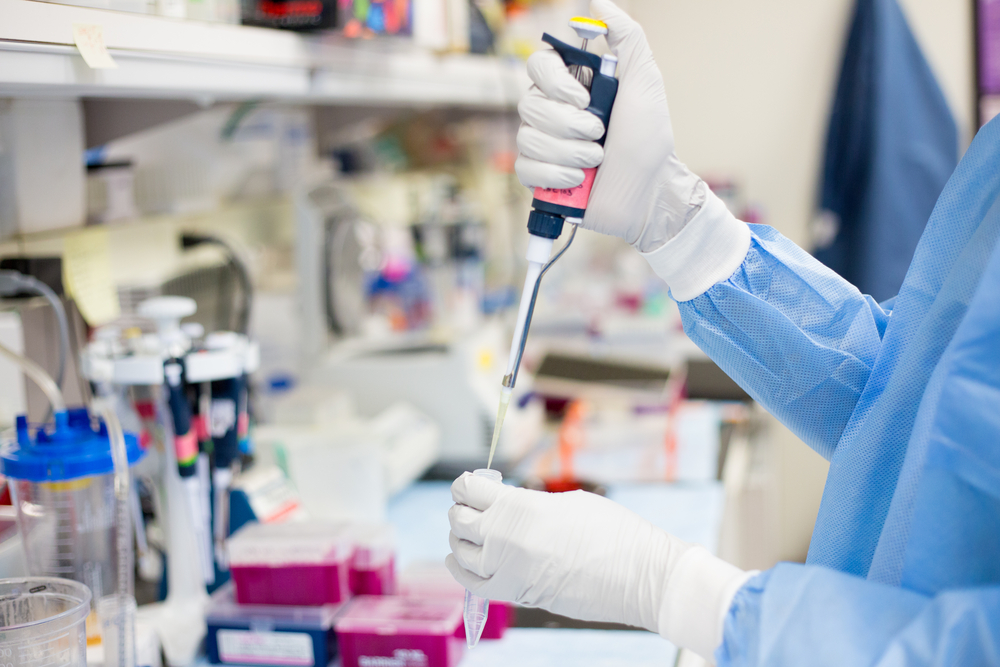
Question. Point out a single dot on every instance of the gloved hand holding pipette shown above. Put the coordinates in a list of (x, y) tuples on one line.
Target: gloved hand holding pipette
[(643, 193), (639, 165)]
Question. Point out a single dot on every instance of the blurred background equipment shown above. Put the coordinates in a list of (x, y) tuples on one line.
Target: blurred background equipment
[(282, 242)]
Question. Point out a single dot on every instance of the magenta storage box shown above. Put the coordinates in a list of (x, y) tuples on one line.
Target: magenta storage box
[(302, 564), (433, 581), (390, 630), (373, 566)]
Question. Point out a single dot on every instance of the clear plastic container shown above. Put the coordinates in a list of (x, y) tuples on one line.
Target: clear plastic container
[(268, 634), (42, 622), (302, 564), (116, 614), (68, 529), (389, 630), (373, 566), (63, 486)]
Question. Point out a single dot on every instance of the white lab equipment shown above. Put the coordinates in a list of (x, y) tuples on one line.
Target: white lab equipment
[(453, 381), (42, 622), (182, 502), (346, 469), (337, 471)]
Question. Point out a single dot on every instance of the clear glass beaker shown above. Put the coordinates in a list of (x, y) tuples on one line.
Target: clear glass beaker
[(42, 622)]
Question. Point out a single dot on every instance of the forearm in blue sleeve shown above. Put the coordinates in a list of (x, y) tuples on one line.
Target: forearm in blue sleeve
[(796, 336), (798, 614)]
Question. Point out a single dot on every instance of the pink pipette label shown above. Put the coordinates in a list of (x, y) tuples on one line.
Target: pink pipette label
[(571, 197)]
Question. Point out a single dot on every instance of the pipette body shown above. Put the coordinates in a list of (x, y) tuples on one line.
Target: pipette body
[(552, 208), (186, 449)]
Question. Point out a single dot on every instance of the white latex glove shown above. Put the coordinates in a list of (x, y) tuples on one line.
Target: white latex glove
[(643, 193), (583, 556)]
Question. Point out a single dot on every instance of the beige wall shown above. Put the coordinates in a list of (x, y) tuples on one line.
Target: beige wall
[(750, 84)]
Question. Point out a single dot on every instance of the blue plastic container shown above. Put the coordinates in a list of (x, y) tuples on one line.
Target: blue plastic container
[(62, 484)]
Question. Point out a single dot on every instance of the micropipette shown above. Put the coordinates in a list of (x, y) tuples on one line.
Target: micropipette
[(186, 449), (551, 208)]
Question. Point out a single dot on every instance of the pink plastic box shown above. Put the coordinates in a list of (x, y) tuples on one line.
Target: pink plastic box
[(301, 564), (373, 567), (403, 632), (433, 581)]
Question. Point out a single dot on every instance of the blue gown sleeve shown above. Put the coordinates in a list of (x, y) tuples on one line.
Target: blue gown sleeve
[(803, 614), (797, 337)]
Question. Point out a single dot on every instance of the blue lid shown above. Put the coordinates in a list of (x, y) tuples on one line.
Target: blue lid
[(71, 451)]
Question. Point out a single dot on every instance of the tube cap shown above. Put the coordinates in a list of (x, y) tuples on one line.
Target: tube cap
[(72, 451), (545, 225)]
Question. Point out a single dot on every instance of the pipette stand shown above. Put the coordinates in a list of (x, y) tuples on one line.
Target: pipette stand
[(179, 620)]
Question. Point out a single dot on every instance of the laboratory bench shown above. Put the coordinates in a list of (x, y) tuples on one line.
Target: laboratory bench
[(692, 512), (544, 647)]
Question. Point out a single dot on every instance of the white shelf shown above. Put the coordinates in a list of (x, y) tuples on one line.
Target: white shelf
[(173, 59)]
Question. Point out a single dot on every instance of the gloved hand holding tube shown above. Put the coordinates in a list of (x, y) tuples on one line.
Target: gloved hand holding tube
[(581, 555)]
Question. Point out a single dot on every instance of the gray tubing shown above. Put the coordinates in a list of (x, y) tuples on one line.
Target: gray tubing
[(10, 280)]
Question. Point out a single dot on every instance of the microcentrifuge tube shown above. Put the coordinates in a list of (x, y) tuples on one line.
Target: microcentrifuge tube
[(476, 611), (478, 608)]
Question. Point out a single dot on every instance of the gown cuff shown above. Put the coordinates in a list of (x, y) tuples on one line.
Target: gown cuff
[(698, 595), (707, 251)]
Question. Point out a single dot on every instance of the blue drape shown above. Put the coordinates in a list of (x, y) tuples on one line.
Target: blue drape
[(891, 146)]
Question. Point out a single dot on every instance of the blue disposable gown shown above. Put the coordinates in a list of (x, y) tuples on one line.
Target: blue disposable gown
[(903, 398)]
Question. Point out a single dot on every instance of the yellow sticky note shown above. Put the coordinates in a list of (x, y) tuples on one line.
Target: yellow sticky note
[(89, 38), (87, 275)]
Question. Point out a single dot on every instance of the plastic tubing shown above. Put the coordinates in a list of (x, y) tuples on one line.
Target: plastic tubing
[(37, 286), (39, 376), (119, 457), (121, 607)]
